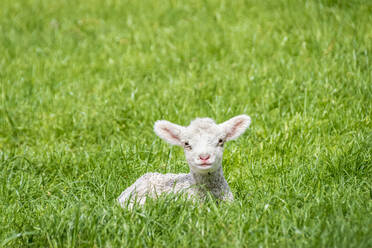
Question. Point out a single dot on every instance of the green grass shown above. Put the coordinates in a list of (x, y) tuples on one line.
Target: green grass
[(82, 83)]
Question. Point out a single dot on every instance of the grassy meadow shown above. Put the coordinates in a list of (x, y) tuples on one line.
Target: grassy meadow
[(82, 83)]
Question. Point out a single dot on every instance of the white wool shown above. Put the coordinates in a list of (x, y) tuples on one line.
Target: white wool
[(203, 143)]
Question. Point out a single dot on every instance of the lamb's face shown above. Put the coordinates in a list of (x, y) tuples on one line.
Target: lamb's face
[(203, 139), (203, 144)]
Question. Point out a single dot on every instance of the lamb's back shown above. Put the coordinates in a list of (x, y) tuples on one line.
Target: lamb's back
[(154, 184)]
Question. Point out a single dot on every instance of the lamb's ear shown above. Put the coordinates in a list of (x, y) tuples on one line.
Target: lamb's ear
[(235, 127), (169, 132)]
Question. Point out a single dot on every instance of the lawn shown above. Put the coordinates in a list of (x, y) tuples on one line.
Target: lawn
[(82, 83)]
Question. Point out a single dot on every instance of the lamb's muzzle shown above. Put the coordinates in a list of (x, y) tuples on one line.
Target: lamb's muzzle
[(203, 142)]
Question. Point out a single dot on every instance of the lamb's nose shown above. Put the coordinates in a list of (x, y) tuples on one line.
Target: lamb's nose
[(204, 157)]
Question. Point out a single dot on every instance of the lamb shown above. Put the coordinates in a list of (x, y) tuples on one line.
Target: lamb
[(203, 142)]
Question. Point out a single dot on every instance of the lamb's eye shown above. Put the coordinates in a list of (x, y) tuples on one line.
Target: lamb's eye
[(187, 145), (220, 142)]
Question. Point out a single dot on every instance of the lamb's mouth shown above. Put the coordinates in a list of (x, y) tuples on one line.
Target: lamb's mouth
[(205, 164)]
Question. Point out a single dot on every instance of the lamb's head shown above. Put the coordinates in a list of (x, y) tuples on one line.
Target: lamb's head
[(203, 139)]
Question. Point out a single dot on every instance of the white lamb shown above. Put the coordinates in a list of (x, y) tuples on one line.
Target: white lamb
[(203, 142)]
